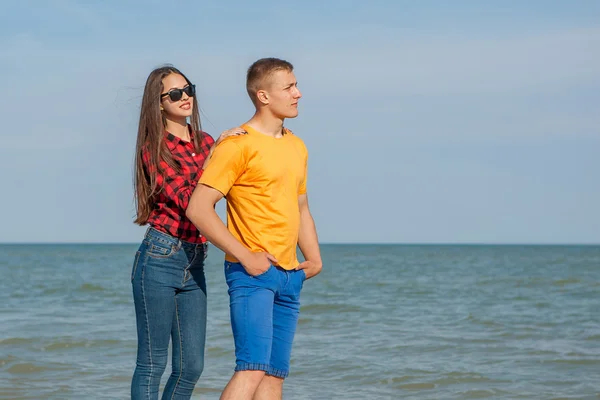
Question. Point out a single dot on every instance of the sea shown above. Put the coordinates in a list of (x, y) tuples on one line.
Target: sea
[(380, 322)]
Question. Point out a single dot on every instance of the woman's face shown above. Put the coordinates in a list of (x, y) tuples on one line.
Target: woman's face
[(175, 109)]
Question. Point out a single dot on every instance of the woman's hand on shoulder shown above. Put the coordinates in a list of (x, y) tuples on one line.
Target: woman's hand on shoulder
[(225, 134), (230, 132)]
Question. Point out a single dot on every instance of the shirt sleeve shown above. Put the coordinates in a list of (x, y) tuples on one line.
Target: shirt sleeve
[(170, 182), (302, 186), (225, 166)]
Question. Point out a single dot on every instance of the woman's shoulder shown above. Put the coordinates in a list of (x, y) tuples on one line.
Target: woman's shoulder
[(207, 139)]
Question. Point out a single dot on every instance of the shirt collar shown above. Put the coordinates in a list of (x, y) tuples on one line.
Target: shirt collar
[(173, 141)]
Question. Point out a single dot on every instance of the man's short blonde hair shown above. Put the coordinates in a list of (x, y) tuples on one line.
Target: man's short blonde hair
[(259, 73)]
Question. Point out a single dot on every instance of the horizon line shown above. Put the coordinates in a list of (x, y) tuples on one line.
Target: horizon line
[(351, 243)]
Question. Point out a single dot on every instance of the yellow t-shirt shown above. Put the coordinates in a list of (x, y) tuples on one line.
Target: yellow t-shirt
[(261, 177)]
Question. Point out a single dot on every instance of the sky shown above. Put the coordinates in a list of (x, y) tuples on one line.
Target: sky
[(426, 122)]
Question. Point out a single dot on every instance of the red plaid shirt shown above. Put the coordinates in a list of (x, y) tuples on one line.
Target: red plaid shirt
[(176, 187)]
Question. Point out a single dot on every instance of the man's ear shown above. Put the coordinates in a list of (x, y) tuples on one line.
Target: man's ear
[(263, 97)]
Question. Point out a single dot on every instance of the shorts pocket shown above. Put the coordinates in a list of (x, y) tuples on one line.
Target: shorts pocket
[(263, 273), (301, 279)]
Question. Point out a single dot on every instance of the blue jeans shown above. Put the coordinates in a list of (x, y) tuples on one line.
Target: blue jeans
[(169, 292), (264, 312)]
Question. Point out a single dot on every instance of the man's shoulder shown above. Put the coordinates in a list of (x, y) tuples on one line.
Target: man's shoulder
[(297, 140), (235, 141), (292, 135)]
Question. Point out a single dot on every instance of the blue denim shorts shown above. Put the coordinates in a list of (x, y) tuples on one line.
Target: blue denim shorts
[(264, 313)]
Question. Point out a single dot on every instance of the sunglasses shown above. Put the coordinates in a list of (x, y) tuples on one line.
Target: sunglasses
[(177, 94)]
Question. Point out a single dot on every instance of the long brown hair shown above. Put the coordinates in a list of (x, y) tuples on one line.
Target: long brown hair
[(150, 139)]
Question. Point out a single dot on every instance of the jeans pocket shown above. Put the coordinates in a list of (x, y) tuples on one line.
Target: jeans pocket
[(136, 260), (162, 250)]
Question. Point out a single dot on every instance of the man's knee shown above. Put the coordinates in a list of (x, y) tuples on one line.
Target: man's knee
[(272, 381), (271, 387), (250, 376)]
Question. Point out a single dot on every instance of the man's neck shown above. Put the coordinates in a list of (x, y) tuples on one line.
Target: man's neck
[(267, 124)]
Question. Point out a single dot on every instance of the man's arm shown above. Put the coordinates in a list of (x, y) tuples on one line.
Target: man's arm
[(308, 240), (201, 211)]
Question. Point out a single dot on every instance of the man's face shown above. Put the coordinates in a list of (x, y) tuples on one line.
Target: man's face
[(283, 94)]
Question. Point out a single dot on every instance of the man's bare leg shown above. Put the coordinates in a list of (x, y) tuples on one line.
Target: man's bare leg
[(242, 385), (270, 388)]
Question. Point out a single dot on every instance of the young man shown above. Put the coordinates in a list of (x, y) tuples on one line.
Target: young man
[(263, 176)]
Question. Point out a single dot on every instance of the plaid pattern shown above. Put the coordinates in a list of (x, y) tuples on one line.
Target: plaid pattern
[(171, 202)]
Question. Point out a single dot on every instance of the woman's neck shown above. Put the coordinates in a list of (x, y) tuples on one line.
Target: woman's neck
[(178, 128)]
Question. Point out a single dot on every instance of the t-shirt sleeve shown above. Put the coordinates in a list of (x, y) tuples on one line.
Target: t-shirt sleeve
[(302, 186), (225, 166)]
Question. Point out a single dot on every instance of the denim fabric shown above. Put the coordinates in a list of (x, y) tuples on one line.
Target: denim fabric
[(264, 312), (169, 292)]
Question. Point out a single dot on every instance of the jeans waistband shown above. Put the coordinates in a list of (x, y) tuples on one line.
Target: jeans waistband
[(155, 234)]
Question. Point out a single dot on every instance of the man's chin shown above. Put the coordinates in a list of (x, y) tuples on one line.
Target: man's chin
[(286, 115)]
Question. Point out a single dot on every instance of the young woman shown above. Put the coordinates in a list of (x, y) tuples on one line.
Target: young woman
[(169, 288)]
